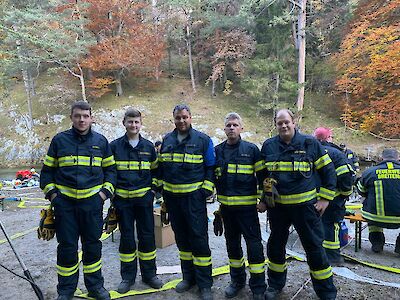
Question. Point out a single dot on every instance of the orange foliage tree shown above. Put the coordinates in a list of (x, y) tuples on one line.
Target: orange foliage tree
[(127, 43), (369, 66)]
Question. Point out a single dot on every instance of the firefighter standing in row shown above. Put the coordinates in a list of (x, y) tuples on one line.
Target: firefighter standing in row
[(291, 159), (336, 209), (352, 157), (136, 162), (78, 175), (187, 162), (237, 162), (380, 185)]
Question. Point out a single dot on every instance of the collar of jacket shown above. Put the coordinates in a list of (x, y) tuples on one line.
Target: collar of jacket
[(126, 139), (175, 132), (79, 136), (294, 141)]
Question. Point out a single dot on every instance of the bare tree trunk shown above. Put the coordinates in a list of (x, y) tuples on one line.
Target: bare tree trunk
[(118, 84), (25, 77), (189, 48), (302, 55), (213, 89)]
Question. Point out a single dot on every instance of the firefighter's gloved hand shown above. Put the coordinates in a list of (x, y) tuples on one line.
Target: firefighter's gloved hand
[(164, 213), (270, 193), (111, 220), (218, 223), (46, 229)]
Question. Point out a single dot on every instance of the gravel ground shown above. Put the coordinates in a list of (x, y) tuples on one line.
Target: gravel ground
[(40, 258)]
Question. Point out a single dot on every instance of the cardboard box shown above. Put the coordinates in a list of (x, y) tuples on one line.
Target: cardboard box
[(164, 235)]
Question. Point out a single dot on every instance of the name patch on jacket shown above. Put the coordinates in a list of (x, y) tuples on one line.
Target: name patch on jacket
[(95, 147), (388, 174)]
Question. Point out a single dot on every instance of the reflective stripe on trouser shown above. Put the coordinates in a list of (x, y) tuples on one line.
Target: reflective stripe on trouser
[(74, 219), (244, 221), (331, 241), (308, 225), (188, 216), (129, 212)]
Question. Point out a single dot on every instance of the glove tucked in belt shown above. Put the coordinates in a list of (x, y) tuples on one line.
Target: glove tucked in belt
[(46, 229), (270, 193), (218, 223), (164, 213), (111, 220)]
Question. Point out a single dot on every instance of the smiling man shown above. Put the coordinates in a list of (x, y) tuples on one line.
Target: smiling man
[(237, 163), (136, 161), (187, 162), (78, 175), (293, 160)]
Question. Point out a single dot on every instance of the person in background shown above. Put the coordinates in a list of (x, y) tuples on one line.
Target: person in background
[(186, 172), (78, 175), (380, 185), (136, 162), (293, 161), (237, 163), (336, 209)]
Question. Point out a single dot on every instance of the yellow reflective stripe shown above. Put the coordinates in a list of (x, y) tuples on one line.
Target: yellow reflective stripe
[(154, 164), (361, 187), (185, 255), (240, 169), (236, 263), (87, 161), (259, 165), (333, 244), (202, 261), (50, 161), (67, 271), (288, 166), (342, 170), (297, 198), (132, 194), (372, 228), (208, 185), (127, 257), (322, 274), (277, 267), (237, 200), (132, 165), (182, 188), (78, 194), (382, 219), (92, 268), (218, 171), (322, 161), (147, 255), (350, 155), (180, 158), (49, 187), (344, 193), (108, 185), (326, 194), (257, 268), (351, 168), (157, 182), (108, 161), (380, 208)]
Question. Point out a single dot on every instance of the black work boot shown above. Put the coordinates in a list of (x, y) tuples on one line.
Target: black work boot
[(233, 289), (154, 282), (125, 286), (65, 297), (397, 247), (100, 294), (206, 294), (184, 286), (258, 296), (377, 240), (271, 293)]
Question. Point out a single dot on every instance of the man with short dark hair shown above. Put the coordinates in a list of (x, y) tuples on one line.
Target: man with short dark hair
[(380, 185), (187, 162), (237, 163), (292, 161), (136, 162), (78, 175)]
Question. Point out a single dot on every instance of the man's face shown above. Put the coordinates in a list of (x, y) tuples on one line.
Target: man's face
[(183, 120), (285, 125), (132, 125), (232, 129), (81, 120)]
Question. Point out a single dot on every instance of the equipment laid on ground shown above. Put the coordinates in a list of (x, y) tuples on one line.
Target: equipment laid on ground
[(28, 276)]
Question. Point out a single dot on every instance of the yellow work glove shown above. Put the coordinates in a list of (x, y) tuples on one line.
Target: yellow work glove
[(47, 229), (111, 220), (164, 213), (218, 223), (270, 193)]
